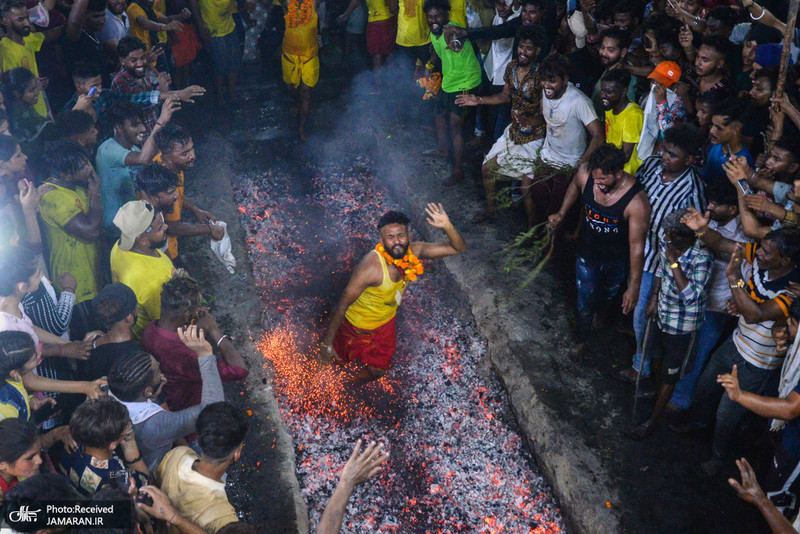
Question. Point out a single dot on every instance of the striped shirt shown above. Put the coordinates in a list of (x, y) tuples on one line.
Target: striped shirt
[(681, 312), (686, 190), (754, 341)]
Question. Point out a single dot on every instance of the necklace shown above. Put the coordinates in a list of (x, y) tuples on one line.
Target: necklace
[(409, 264), (612, 197)]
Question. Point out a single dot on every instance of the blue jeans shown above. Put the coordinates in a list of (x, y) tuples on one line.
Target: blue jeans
[(710, 331), (640, 322), (598, 282)]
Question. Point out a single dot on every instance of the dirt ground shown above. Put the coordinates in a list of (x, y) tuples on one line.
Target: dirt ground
[(570, 411)]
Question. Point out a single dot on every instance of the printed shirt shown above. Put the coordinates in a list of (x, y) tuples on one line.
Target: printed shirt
[(754, 341), (88, 474), (681, 312), (124, 82), (14, 400), (412, 24), (461, 70), (686, 190), (69, 253), (13, 55), (527, 122), (626, 127)]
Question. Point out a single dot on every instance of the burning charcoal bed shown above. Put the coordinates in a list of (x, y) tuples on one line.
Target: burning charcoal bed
[(458, 462)]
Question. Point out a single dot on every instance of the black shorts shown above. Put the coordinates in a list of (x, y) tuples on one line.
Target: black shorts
[(677, 352), (446, 102), (420, 53)]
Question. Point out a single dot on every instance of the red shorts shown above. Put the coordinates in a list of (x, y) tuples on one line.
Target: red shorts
[(381, 36), (372, 347)]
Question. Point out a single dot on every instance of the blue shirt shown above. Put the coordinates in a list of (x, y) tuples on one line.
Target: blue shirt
[(116, 180), (713, 169)]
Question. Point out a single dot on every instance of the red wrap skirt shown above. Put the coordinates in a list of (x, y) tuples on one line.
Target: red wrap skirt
[(372, 347)]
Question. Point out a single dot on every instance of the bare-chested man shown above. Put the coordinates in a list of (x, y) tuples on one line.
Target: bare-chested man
[(362, 327)]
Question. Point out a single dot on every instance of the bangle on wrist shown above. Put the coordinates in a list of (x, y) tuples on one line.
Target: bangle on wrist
[(739, 284), (699, 235), (223, 336), (137, 459)]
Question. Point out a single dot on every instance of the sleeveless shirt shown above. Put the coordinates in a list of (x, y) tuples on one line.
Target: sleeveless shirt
[(376, 305), (604, 231)]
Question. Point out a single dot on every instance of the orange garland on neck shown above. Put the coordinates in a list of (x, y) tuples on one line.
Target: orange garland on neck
[(298, 12), (408, 264)]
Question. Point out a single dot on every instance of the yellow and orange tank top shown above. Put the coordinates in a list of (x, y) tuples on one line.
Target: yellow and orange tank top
[(301, 40), (377, 305)]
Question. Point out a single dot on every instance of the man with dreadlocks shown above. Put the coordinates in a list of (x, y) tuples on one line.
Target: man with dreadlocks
[(362, 327)]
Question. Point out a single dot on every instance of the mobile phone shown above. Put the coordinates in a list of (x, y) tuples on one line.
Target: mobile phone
[(144, 499), (92, 91), (726, 151), (744, 186)]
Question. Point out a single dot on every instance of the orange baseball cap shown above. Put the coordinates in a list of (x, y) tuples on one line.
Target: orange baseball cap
[(666, 73)]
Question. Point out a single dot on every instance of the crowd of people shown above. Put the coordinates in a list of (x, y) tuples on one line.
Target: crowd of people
[(664, 137), (111, 362), (665, 133)]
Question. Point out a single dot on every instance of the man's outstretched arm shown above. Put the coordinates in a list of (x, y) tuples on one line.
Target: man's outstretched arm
[(359, 468), (438, 218)]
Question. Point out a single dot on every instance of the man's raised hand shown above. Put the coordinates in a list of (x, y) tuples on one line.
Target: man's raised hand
[(437, 217), (363, 465), (695, 220)]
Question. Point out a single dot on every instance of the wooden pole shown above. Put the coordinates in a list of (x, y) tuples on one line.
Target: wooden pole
[(788, 38)]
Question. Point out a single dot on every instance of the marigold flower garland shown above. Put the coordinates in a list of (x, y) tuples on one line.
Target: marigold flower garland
[(409, 263), (299, 12)]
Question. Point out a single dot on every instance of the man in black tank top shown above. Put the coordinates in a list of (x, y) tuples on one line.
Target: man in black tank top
[(614, 216)]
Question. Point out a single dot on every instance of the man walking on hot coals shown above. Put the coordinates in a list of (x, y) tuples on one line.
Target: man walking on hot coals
[(362, 327), (612, 237)]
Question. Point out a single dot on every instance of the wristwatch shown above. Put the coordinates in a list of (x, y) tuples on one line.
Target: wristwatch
[(674, 265)]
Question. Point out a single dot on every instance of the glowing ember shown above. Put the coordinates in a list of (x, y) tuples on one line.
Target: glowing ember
[(458, 463)]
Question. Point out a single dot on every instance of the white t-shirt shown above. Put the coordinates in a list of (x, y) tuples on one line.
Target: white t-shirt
[(719, 290), (567, 118)]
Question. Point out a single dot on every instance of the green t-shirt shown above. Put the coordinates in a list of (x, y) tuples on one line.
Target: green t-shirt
[(460, 70)]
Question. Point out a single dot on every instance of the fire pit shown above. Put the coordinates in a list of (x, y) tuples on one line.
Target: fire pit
[(458, 463)]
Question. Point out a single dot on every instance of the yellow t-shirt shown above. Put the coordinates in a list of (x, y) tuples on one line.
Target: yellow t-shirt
[(376, 305), (134, 11), (196, 497), (412, 24), (218, 16), (145, 275), (12, 394), (626, 128), (175, 214), (377, 10), (458, 12), (13, 55), (69, 253), (302, 40)]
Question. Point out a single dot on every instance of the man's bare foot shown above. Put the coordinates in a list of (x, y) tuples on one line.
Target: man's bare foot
[(485, 216), (454, 179)]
